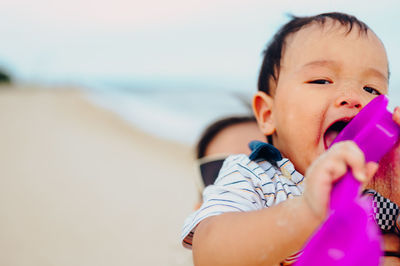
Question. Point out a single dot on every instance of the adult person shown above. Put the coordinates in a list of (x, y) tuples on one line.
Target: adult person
[(225, 136), (387, 182)]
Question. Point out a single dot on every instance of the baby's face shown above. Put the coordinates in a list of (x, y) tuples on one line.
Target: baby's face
[(326, 78)]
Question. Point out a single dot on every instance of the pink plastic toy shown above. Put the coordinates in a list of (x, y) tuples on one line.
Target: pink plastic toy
[(350, 236)]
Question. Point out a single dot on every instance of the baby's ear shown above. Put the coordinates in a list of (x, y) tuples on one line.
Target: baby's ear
[(262, 108)]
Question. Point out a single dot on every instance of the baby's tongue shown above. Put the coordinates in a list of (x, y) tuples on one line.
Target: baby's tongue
[(330, 135)]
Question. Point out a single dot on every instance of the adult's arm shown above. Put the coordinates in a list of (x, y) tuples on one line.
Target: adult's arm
[(387, 183)]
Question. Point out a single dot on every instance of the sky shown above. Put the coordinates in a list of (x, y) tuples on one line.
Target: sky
[(158, 44)]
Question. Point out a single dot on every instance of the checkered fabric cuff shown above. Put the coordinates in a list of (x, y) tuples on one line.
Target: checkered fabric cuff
[(386, 212)]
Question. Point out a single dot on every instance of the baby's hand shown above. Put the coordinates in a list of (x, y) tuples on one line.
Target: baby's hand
[(328, 168)]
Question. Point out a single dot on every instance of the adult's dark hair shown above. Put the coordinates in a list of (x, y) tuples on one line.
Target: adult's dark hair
[(212, 130), (273, 53)]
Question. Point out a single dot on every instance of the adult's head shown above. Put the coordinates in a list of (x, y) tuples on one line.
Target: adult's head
[(226, 136)]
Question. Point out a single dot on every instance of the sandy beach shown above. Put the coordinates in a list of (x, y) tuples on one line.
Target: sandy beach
[(79, 186)]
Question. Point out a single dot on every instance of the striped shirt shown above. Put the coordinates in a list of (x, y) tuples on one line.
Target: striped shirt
[(245, 185)]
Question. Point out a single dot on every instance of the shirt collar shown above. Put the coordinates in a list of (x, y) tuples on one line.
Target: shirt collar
[(262, 150)]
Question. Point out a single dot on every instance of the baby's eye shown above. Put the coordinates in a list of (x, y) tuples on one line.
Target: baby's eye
[(371, 90), (320, 81)]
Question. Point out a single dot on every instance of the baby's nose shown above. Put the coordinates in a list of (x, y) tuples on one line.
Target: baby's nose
[(350, 100)]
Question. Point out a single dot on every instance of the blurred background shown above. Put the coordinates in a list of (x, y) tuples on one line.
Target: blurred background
[(101, 103), (176, 64)]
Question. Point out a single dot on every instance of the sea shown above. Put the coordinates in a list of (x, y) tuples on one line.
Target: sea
[(176, 114), (179, 115)]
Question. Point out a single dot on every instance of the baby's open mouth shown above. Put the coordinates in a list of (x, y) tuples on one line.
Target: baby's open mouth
[(334, 130)]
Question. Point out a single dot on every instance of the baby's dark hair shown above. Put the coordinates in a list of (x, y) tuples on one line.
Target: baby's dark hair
[(216, 127), (273, 53)]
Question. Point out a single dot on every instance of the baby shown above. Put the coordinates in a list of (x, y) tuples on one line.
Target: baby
[(318, 73)]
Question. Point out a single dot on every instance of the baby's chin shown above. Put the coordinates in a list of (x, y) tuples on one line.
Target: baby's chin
[(305, 162)]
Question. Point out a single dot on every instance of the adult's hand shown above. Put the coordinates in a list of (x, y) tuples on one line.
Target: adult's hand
[(391, 244)]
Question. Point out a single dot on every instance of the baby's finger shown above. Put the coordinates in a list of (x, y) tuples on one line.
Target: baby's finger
[(354, 158), (372, 167), (396, 115)]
